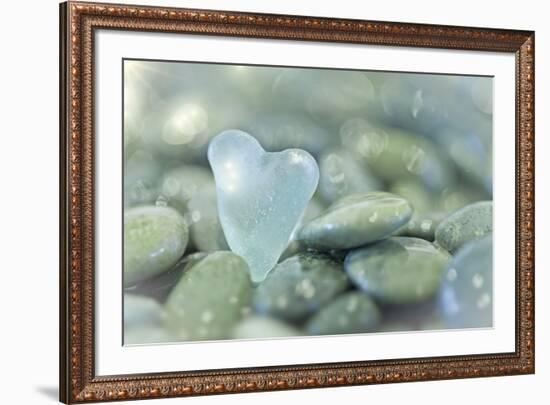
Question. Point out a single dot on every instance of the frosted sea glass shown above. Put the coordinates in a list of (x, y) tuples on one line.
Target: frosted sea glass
[(261, 196)]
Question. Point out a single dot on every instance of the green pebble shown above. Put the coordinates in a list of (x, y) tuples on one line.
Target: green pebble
[(422, 226), (259, 327), (159, 287), (210, 297), (313, 210), (140, 311), (398, 270), (469, 223), (415, 193), (353, 312), (341, 175), (299, 286), (467, 289), (179, 185), (357, 220), (141, 173), (206, 230), (394, 154), (421, 316), (154, 239)]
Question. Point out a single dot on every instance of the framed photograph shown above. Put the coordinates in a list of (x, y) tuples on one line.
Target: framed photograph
[(255, 202)]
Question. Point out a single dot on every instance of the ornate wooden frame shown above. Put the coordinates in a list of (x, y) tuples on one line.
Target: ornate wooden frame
[(78, 382)]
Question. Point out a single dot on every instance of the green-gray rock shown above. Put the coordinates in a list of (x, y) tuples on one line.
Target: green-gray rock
[(394, 154), (206, 231), (341, 175), (181, 184), (159, 287), (141, 172), (353, 312), (154, 239), (415, 193), (356, 220), (258, 327), (299, 286), (471, 222), (210, 297), (422, 226), (467, 289), (313, 210), (397, 270), (140, 311)]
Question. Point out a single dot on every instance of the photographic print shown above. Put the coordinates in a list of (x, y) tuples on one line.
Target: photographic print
[(267, 202), (255, 202)]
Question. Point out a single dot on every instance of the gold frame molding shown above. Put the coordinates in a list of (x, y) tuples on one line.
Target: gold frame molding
[(78, 381)]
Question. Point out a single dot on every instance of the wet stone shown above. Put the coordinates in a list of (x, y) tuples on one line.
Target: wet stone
[(394, 154), (154, 239), (299, 286), (422, 226), (415, 193), (140, 311), (353, 312), (205, 227), (341, 175), (357, 220), (141, 172), (158, 287), (210, 298), (181, 184), (467, 289), (398, 270), (323, 94), (468, 223)]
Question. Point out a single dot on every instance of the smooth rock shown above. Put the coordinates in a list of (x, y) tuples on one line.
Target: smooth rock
[(329, 96), (314, 208), (154, 239), (471, 150), (341, 175), (416, 101), (471, 222), (141, 173), (356, 220), (205, 229), (394, 154), (299, 286), (422, 226), (210, 298), (415, 193), (398, 270), (158, 287), (261, 196), (263, 327), (353, 312), (467, 289), (181, 184), (460, 195), (277, 131), (139, 311), (425, 315)]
